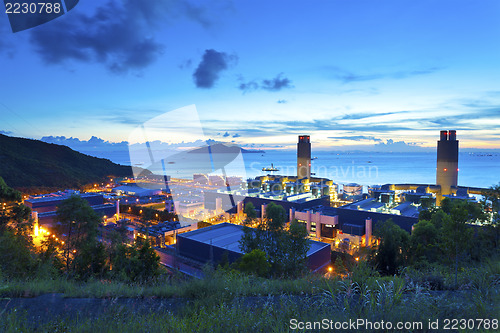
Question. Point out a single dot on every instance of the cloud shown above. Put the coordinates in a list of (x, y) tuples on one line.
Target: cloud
[(211, 65), (93, 144), (281, 101), (249, 86), (356, 138), (482, 117), (346, 76), (226, 135), (236, 135), (118, 34), (276, 84), (398, 146), (5, 132)]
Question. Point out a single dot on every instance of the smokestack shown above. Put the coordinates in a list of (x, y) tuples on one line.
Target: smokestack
[(368, 231), (447, 163), (304, 157), (118, 210)]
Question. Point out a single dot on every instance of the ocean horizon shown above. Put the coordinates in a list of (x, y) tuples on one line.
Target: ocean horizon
[(476, 169)]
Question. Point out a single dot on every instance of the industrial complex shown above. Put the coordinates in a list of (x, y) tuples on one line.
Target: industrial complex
[(334, 219)]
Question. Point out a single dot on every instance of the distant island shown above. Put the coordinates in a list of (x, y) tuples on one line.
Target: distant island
[(26, 163), (221, 148)]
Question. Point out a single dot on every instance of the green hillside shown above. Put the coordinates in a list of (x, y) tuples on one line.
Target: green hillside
[(32, 163)]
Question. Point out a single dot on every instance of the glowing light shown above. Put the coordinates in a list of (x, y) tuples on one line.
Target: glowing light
[(330, 269), (445, 169), (357, 258)]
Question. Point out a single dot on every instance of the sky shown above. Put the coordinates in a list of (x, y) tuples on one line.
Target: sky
[(352, 74)]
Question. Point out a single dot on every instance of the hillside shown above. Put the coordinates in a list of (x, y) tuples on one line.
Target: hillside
[(33, 163)]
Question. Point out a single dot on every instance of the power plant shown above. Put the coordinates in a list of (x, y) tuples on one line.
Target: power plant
[(447, 163)]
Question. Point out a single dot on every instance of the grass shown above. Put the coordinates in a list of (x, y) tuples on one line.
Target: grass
[(274, 314), (229, 301)]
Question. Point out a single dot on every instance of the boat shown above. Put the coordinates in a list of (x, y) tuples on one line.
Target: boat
[(314, 158), (272, 168)]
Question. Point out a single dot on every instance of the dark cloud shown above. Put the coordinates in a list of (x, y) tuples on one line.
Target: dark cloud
[(276, 84), (226, 135), (281, 101), (118, 34), (211, 65), (236, 135), (5, 132), (249, 86), (356, 138), (346, 76)]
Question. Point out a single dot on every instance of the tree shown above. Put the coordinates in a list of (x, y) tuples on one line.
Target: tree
[(8, 194), (250, 213), (16, 260), (255, 262), (491, 203), (392, 251), (135, 263), (339, 266), (457, 235), (286, 250), (80, 224), (424, 242)]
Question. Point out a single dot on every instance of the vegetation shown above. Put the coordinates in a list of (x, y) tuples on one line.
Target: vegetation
[(450, 235), (31, 163), (220, 302), (285, 249), (80, 256), (425, 272)]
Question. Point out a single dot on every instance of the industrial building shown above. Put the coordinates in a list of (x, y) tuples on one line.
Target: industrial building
[(210, 244), (49, 202), (44, 208), (136, 191)]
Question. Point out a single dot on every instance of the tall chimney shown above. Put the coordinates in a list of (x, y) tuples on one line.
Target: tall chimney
[(304, 157), (447, 163)]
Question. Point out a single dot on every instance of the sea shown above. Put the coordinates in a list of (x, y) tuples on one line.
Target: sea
[(476, 169)]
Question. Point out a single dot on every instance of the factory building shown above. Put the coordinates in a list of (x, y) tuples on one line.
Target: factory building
[(350, 226), (136, 191), (44, 208), (49, 202), (212, 243), (447, 163)]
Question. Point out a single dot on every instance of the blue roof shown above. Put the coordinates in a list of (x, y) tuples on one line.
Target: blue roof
[(227, 236)]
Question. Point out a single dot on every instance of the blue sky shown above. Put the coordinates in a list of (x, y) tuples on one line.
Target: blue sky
[(352, 74)]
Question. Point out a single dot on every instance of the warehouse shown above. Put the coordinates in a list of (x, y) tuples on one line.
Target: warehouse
[(210, 244)]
